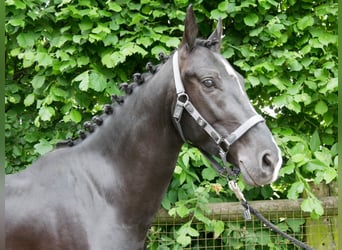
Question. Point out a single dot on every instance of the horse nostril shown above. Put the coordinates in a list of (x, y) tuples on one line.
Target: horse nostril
[(267, 161), (270, 165)]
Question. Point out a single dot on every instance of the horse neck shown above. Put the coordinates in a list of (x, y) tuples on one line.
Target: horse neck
[(141, 129)]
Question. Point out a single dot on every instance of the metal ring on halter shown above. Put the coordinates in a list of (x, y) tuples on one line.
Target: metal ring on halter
[(180, 97)]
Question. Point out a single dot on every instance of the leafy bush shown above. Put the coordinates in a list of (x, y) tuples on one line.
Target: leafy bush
[(65, 58)]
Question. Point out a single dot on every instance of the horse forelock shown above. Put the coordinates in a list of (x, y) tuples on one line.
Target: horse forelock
[(206, 43)]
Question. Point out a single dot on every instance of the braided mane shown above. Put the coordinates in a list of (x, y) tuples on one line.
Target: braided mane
[(127, 88), (108, 109)]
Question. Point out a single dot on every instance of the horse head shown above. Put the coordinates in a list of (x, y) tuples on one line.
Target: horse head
[(224, 122)]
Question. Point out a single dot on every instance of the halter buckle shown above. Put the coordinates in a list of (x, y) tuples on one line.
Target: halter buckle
[(182, 100)]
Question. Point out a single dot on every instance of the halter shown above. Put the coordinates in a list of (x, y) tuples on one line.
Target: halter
[(184, 103)]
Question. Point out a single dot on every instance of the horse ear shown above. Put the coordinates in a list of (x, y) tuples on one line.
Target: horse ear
[(216, 37), (190, 30)]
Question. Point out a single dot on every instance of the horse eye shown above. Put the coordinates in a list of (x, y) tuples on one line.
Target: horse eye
[(208, 83)]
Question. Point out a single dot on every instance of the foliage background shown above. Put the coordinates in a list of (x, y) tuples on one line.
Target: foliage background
[(65, 58)]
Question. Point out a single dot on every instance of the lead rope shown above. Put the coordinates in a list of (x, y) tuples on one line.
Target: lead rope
[(231, 177), (248, 209)]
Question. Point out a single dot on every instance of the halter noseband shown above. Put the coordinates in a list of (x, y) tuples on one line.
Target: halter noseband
[(183, 102)]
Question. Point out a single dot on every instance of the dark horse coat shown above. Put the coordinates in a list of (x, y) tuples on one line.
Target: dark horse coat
[(103, 192)]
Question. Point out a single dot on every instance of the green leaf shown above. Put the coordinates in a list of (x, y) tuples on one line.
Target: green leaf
[(315, 141), (58, 92), (332, 84), (254, 81), (38, 81), (313, 206), (282, 100), (228, 52), (324, 157), (93, 38), (275, 29), (44, 59), (32, 137), (321, 107), (209, 174), (295, 65), (46, 113), (216, 14), (101, 28), (251, 19), (329, 175), (328, 39), (183, 239), (107, 59), (136, 19), (14, 98), (28, 58), (97, 81), (278, 83), (27, 40), (82, 60), (263, 237), (282, 226), (298, 158), (303, 97), (287, 169), (173, 42), (192, 231), (314, 165), (295, 224), (111, 39), (185, 160), (178, 170), (134, 6), (328, 121), (75, 116), (218, 228), (83, 78), (131, 48), (256, 31), (295, 189), (29, 100), (85, 25), (65, 109), (17, 3), (267, 191), (166, 203), (182, 211), (304, 22), (159, 49), (145, 41), (199, 215), (43, 147), (294, 89), (17, 22)]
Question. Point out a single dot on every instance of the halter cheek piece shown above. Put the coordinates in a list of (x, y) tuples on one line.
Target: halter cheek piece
[(184, 103)]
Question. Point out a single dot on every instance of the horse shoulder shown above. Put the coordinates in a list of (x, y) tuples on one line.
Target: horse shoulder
[(57, 196)]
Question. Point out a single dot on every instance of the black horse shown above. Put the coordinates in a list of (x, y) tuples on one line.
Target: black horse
[(103, 192)]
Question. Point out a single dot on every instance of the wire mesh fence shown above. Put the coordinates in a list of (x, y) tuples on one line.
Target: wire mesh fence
[(240, 234)]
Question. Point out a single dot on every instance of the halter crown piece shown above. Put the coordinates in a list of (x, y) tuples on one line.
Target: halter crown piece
[(184, 103)]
